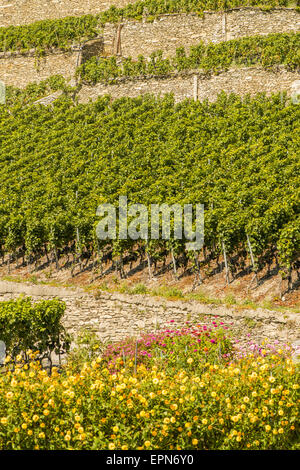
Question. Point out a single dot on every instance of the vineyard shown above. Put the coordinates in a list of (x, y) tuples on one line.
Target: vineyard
[(268, 51), (239, 157), (139, 342), (62, 33)]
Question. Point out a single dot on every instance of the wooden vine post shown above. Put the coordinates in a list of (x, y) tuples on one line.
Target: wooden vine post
[(118, 50), (252, 258), (225, 261)]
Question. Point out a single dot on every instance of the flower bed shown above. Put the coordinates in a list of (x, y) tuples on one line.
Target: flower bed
[(188, 398)]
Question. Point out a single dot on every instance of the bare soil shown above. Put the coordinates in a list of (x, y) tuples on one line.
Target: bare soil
[(269, 291)]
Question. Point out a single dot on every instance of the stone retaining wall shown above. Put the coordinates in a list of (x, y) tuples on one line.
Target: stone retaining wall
[(167, 33), (16, 12), (171, 31), (113, 316), (19, 71), (237, 80)]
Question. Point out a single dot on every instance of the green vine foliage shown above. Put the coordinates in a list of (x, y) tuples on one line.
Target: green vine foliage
[(268, 51), (237, 156), (61, 33), (33, 326), (46, 34), (34, 91)]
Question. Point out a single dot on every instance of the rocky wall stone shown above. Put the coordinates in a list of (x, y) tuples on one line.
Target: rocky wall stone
[(19, 71), (169, 32), (241, 81), (114, 316), (166, 33), (16, 12)]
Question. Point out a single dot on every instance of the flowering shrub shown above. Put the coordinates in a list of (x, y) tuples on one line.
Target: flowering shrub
[(170, 347), (250, 403)]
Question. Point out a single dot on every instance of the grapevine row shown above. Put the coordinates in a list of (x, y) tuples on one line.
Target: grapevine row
[(62, 33), (269, 50), (239, 157)]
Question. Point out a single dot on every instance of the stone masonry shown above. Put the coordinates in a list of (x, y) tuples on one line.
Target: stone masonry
[(241, 81), (114, 316), (166, 33)]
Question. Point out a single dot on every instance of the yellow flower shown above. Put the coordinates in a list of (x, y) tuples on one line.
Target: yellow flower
[(124, 447), (190, 360), (166, 420), (246, 399), (24, 426), (147, 443), (111, 446), (115, 428), (29, 432), (46, 412), (42, 436), (195, 442), (204, 421), (267, 427), (3, 420)]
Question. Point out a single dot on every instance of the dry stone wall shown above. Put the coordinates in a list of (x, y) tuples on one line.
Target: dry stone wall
[(113, 316), (167, 33), (171, 31), (200, 86), (16, 12), (19, 71)]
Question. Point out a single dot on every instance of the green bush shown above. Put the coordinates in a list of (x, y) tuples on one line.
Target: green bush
[(37, 327)]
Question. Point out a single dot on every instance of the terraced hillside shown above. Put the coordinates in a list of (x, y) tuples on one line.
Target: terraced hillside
[(205, 112)]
